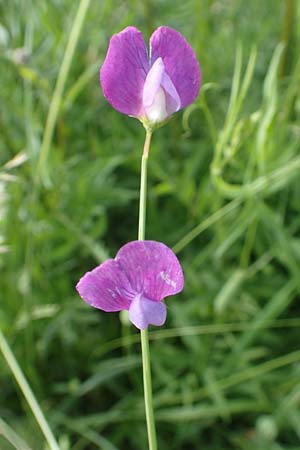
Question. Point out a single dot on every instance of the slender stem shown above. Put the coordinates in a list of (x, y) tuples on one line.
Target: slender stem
[(143, 188), (144, 333), (148, 390), (27, 392)]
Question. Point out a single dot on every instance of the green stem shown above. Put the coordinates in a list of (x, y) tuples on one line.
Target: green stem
[(144, 333), (143, 188), (148, 390)]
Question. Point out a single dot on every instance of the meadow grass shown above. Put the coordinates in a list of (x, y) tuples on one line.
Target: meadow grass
[(224, 193)]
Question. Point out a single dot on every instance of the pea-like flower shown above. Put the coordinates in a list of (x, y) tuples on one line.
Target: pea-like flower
[(150, 89), (138, 279)]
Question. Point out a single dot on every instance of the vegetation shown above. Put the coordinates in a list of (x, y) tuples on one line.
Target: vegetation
[(224, 193)]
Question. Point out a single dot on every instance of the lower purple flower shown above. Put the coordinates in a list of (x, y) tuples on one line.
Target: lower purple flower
[(142, 274)]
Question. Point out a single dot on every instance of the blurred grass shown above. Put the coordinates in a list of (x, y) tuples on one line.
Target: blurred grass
[(224, 192)]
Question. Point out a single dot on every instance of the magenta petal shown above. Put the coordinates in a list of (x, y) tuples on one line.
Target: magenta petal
[(106, 287), (124, 71), (151, 268), (180, 62), (144, 312)]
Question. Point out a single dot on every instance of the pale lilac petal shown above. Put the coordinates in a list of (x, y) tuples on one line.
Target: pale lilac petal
[(180, 62), (153, 82), (172, 98), (124, 71), (157, 112), (160, 98), (151, 268), (144, 312), (154, 97), (106, 287)]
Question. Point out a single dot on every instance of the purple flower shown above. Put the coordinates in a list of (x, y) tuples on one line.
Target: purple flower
[(142, 274), (150, 89)]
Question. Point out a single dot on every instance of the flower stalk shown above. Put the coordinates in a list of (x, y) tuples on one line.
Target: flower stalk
[(143, 187), (151, 431)]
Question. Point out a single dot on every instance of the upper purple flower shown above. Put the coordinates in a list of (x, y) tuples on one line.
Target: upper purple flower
[(142, 274), (150, 89)]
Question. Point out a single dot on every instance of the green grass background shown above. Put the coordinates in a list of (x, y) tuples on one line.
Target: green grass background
[(224, 193)]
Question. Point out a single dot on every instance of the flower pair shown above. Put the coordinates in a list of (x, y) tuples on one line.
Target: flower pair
[(151, 89)]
